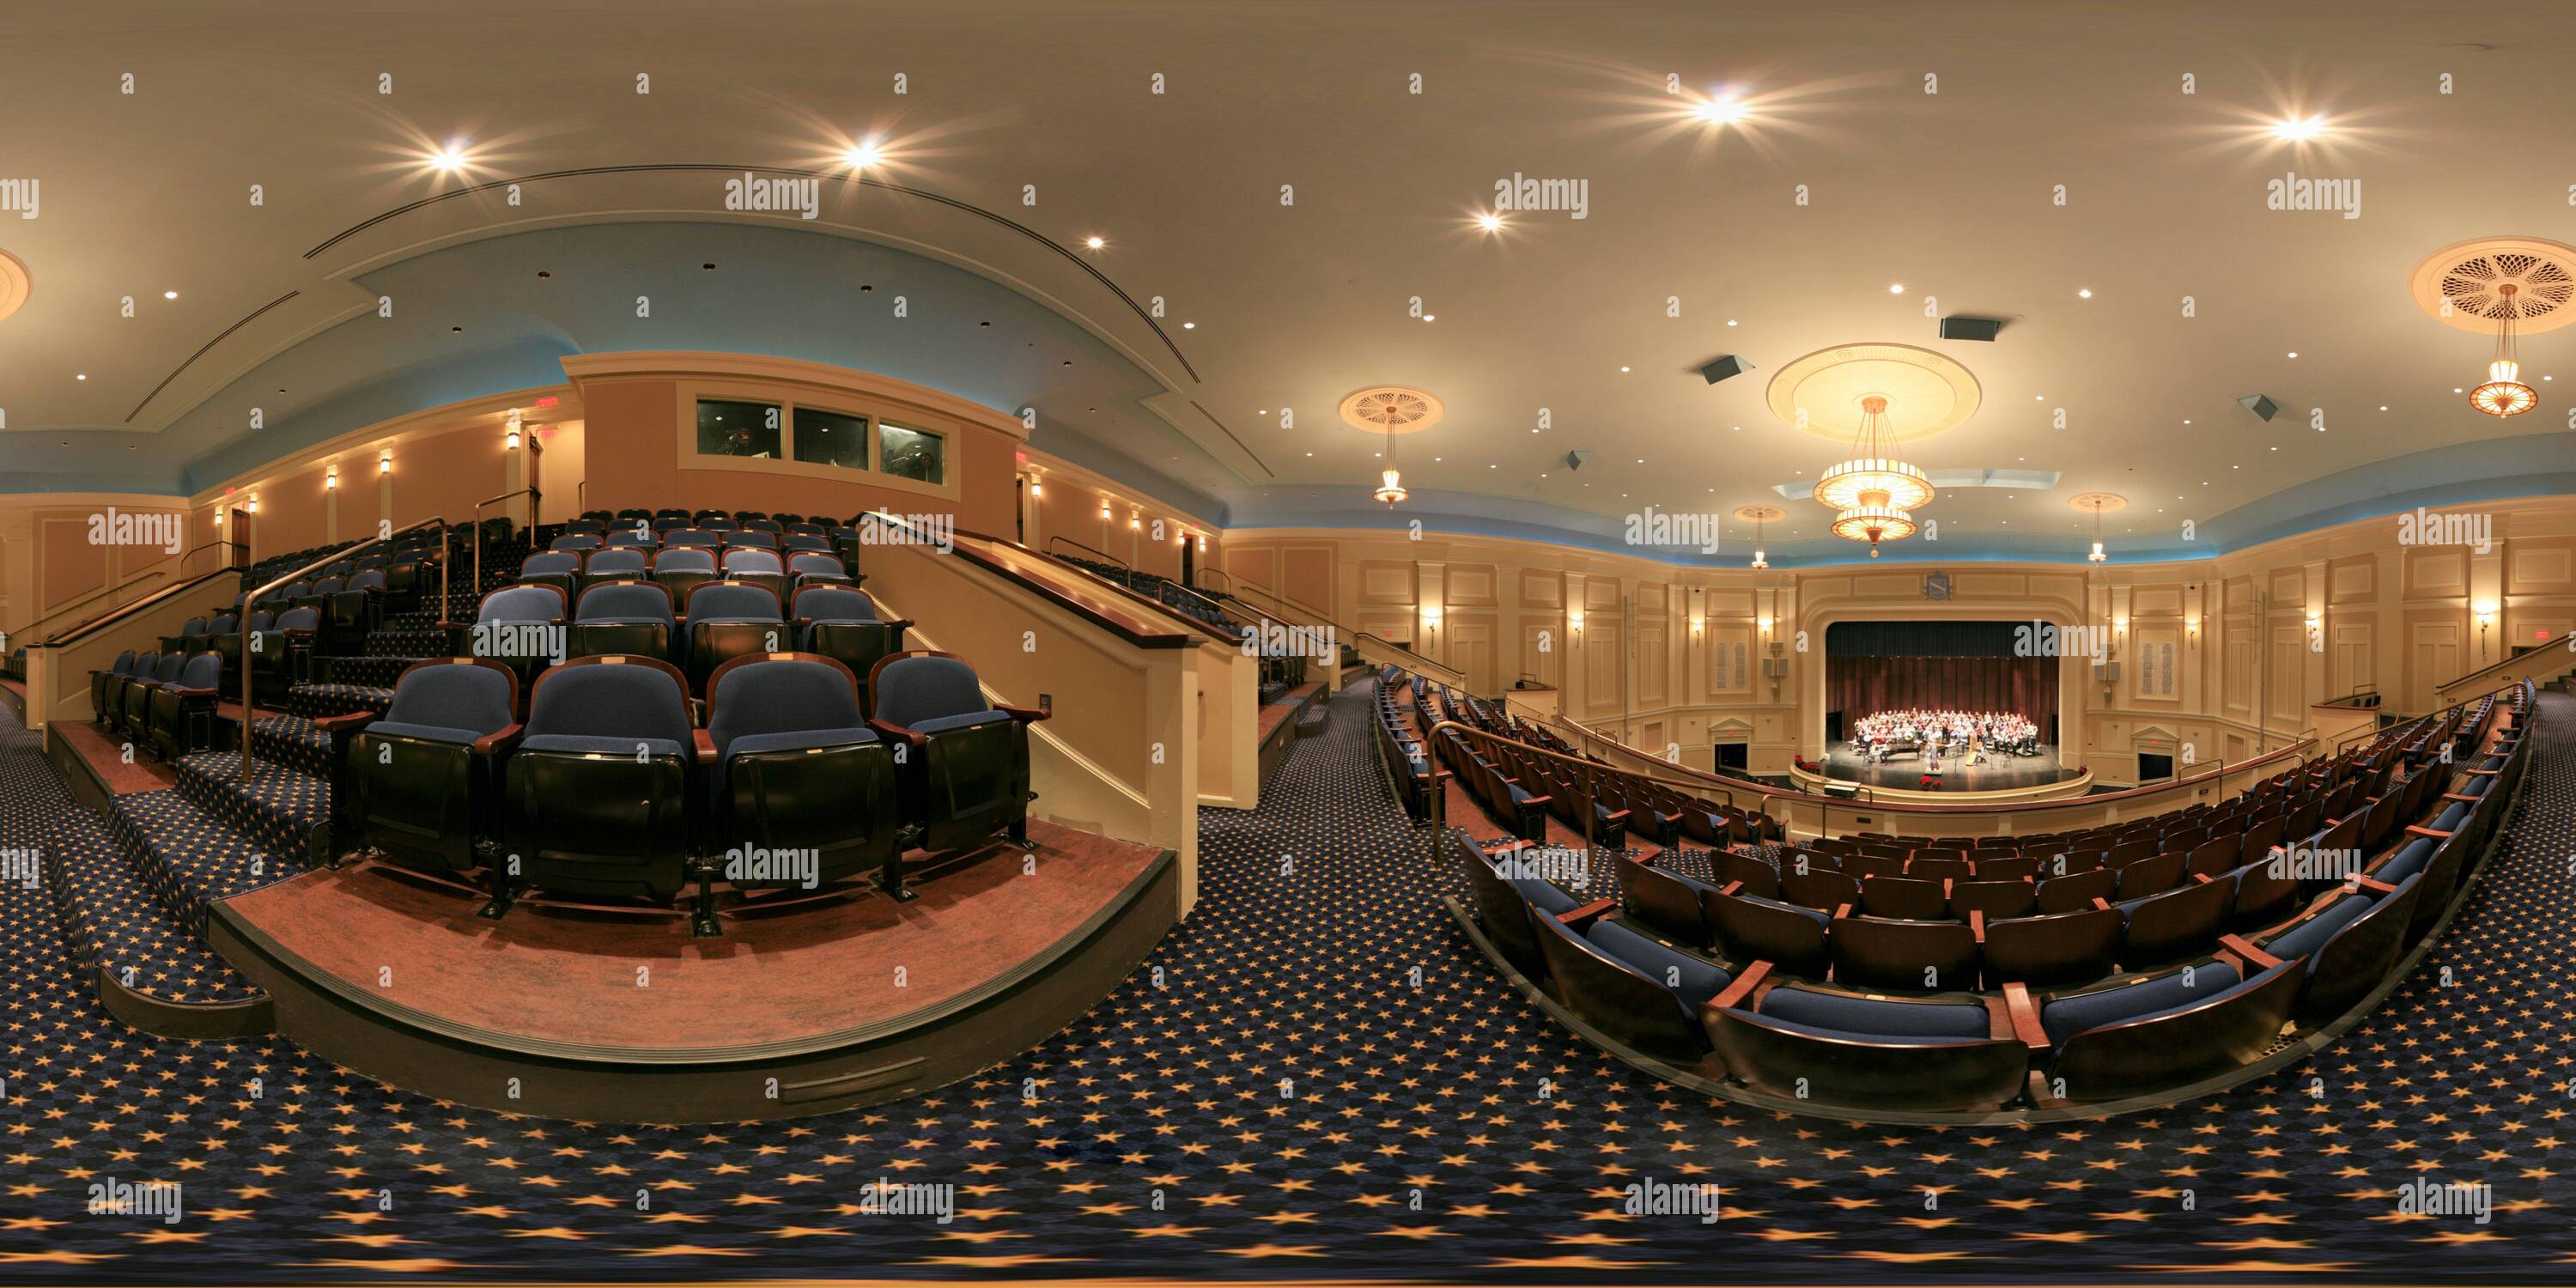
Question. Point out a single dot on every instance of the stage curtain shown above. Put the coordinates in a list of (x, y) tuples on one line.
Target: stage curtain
[(1861, 686)]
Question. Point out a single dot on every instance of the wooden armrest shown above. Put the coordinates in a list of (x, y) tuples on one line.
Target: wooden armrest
[(2025, 1016), (1537, 800), (2483, 773), (1025, 715), (1977, 924), (2413, 830), (1731, 887), (2201, 878), (2372, 884), (188, 693), (1743, 988), (706, 746), (897, 733), (1579, 918), (346, 722), (1842, 911), (2255, 959), (1509, 846), (2101, 904), (2455, 796), (506, 737)]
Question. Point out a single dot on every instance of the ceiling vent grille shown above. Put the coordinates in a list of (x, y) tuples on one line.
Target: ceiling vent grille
[(2463, 285)]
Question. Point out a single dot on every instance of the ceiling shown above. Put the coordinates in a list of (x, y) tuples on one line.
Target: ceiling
[(1771, 237)]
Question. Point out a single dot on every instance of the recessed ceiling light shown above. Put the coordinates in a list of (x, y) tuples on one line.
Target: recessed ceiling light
[(451, 157), (2084, 293), (1896, 288), (2294, 353), (2297, 127), (1719, 111), (2384, 406), (1094, 242), (1730, 321), (82, 376), (172, 295), (1428, 317), (1623, 368), (862, 155), (1490, 222), (2186, 422), (1189, 326)]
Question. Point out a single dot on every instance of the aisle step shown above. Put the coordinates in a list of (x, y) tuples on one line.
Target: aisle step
[(276, 807)]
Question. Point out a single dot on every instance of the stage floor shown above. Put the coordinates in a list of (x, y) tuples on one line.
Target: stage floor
[(1907, 769)]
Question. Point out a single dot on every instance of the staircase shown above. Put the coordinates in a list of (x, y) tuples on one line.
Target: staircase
[(132, 891)]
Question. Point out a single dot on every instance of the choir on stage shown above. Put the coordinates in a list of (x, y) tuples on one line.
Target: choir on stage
[(1973, 735)]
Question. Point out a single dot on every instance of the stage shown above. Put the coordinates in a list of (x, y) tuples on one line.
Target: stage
[(1906, 769)]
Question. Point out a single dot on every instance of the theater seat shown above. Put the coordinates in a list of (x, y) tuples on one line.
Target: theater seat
[(623, 617), (727, 620), (1832, 1049), (1668, 902), (614, 565), (1504, 907), (798, 769), (2350, 947), (601, 784), (1749, 929), (518, 626), (1638, 993), (1883, 952), (806, 569), (967, 776), (133, 717), (2058, 948), (100, 682), (559, 569), (757, 567), (2152, 1037), (420, 785), (683, 569), (842, 624), (181, 715)]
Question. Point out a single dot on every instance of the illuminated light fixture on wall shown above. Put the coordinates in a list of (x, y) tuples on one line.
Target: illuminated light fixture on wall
[(1037, 487), (1202, 541), (2120, 623), (1873, 493), (1135, 522), (1104, 507), (1763, 622), (385, 463), (1574, 620), (331, 480), (254, 505), (510, 440), (1760, 516), (2485, 609), (2191, 624), (2504, 394)]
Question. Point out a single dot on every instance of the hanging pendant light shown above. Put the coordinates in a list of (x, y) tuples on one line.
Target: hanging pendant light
[(2504, 394), (1873, 494), (1390, 488), (2099, 503)]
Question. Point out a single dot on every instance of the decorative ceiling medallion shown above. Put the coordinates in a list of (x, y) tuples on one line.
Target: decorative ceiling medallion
[(15, 284), (1760, 513), (1927, 393), (2462, 285), (2098, 502), (1391, 409)]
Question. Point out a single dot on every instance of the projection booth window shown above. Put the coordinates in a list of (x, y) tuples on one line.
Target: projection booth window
[(831, 438), (912, 453), (733, 428)]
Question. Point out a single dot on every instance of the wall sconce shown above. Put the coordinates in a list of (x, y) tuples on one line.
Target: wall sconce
[(1202, 542), (2485, 609), (2120, 623), (385, 463), (1430, 620), (1104, 509), (510, 440), (254, 505), (1135, 523), (1036, 488), (1764, 623), (1697, 623), (1574, 620), (331, 480), (2191, 625), (1183, 539)]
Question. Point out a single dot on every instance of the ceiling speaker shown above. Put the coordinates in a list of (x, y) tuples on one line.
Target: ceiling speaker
[(2259, 405), (1732, 364), (1959, 328), (1575, 460)]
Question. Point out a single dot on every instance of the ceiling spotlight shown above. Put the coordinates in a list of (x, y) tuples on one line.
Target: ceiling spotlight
[(1896, 288), (1490, 222), (2084, 293), (451, 157), (81, 376), (1189, 326), (1428, 317), (862, 155), (1719, 111), (2300, 128), (1094, 242), (169, 295)]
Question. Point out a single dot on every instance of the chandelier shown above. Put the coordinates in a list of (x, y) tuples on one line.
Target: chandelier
[(2504, 394), (1873, 493), (1390, 487)]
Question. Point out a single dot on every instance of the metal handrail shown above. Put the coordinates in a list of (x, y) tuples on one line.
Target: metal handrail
[(477, 519), (104, 620), (1202, 574), (252, 597), (1440, 795), (1093, 549), (30, 628)]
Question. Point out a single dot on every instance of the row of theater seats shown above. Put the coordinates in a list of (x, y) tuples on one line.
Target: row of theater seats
[(163, 702), (720, 621), (610, 787), (1520, 788), (1399, 752), (1973, 982)]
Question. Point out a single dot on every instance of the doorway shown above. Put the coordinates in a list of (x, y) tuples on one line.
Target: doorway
[(2152, 767)]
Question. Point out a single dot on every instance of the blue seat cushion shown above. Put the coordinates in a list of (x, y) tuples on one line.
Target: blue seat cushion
[(1544, 896), (2408, 862), (796, 740), (2067, 1017), (2450, 819), (942, 724), (587, 744), (2304, 939), (1909, 1039), (1834, 1013), (1699, 980), (421, 732)]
